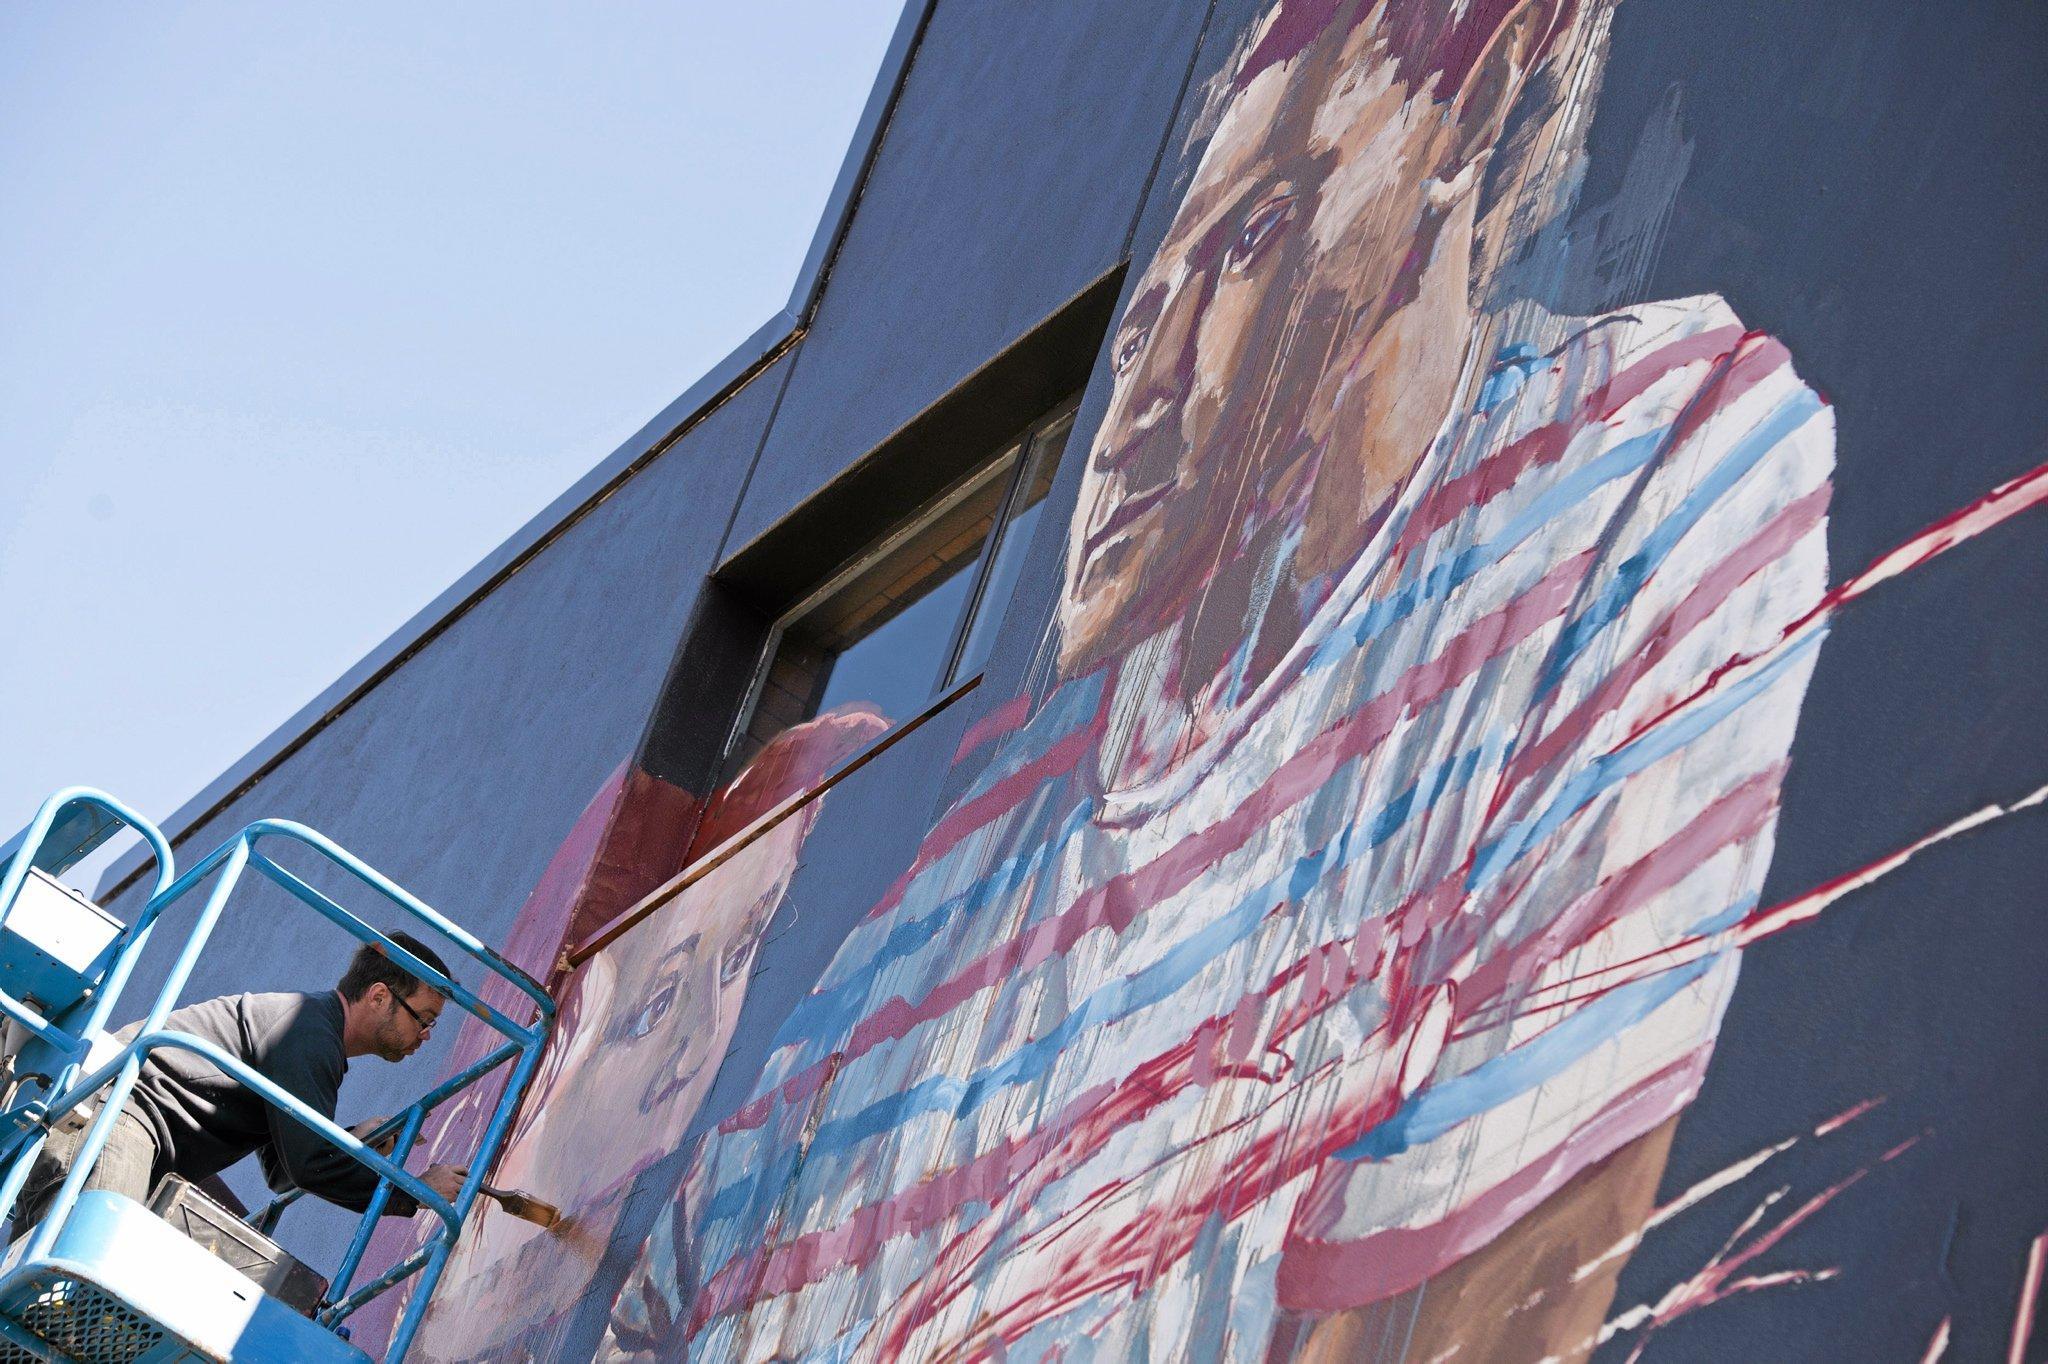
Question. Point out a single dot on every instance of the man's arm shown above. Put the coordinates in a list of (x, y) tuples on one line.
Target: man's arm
[(309, 1067)]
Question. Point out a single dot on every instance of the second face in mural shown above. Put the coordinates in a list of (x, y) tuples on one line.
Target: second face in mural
[(644, 1025)]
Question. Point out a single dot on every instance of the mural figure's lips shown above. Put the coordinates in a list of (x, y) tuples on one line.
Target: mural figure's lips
[(1128, 510)]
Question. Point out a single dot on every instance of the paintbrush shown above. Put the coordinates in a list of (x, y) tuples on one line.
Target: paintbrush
[(525, 1206)]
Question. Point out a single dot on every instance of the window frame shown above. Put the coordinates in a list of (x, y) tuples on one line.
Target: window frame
[(1022, 450)]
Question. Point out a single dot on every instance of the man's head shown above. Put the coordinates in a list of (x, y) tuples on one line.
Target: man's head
[(1294, 344), (388, 1011)]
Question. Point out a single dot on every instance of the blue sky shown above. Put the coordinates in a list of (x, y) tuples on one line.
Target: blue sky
[(303, 309)]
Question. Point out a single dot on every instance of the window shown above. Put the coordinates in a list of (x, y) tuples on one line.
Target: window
[(917, 611)]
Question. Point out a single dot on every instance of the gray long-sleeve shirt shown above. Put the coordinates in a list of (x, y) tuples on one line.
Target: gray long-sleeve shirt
[(204, 1121)]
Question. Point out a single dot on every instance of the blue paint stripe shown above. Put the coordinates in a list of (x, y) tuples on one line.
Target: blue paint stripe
[(830, 1014), (1158, 982), (1070, 707), (1630, 575), (1728, 917), (1613, 768), (1626, 457), (1438, 1108)]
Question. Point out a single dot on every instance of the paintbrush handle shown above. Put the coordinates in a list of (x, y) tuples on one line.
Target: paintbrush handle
[(524, 1206)]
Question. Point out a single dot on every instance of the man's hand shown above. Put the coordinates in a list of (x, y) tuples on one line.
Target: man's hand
[(445, 1180), (385, 1144)]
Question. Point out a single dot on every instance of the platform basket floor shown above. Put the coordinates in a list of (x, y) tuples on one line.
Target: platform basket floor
[(81, 1323)]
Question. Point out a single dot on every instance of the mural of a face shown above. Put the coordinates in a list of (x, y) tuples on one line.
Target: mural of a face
[(642, 1029), (647, 1024), (1293, 344)]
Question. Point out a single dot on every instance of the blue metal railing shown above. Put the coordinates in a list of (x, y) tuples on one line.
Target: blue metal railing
[(118, 1075), (23, 852)]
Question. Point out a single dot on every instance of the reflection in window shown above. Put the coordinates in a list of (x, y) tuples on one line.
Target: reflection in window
[(917, 611), (1034, 481)]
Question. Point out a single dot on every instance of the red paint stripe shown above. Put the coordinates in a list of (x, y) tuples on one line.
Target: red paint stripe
[(997, 801), (1118, 901), (1000, 798), (1709, 595), (1333, 1275), (2007, 500), (1004, 719), (1633, 382), (1546, 444), (797, 1089), (2030, 1296), (1755, 359), (1476, 487), (1736, 817)]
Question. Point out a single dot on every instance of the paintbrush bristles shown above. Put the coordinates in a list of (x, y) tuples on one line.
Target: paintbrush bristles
[(531, 1209), (525, 1206)]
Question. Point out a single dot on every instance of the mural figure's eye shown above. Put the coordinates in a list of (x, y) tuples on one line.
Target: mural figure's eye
[(734, 963), (1260, 228), (1144, 314), (1129, 347), (656, 1009)]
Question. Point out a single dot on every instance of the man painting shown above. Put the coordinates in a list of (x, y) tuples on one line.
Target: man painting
[(1212, 1021), (189, 1118)]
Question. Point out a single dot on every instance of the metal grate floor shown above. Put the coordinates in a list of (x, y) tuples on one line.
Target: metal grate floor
[(82, 1324)]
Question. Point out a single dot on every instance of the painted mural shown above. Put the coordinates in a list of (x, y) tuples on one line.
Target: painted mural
[(1318, 957)]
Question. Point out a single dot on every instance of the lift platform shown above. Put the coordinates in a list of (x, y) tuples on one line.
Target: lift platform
[(103, 1279)]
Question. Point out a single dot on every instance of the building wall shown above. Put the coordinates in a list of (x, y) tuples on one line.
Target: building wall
[(1386, 902), (1010, 181), (462, 773)]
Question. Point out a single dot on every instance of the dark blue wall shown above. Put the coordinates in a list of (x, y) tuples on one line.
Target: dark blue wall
[(461, 772), (1870, 185), (1007, 182)]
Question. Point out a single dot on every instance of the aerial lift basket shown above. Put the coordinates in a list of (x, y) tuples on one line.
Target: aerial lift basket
[(101, 1278)]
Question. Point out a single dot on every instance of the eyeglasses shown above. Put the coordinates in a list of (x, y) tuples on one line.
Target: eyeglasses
[(426, 1024)]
